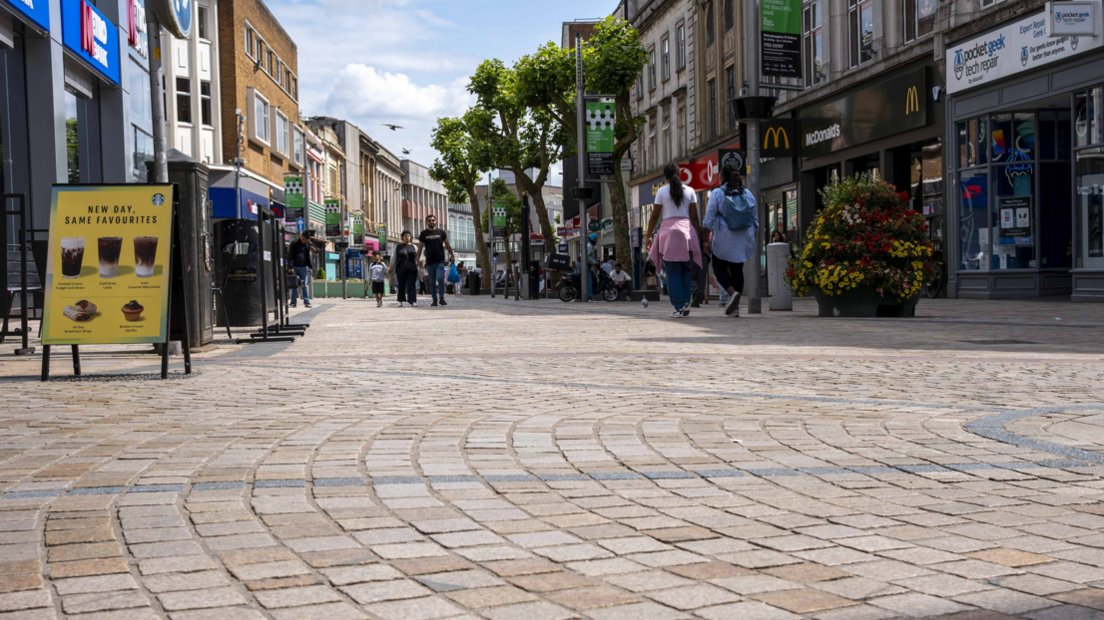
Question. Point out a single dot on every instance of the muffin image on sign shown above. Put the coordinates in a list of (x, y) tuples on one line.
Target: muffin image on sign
[(133, 310)]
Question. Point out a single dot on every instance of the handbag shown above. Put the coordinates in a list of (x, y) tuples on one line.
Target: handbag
[(651, 280)]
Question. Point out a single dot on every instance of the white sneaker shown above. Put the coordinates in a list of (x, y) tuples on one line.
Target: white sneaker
[(414, 303), (733, 305), (400, 304), (678, 314)]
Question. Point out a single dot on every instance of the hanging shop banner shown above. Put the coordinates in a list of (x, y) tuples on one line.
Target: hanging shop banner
[(779, 138), (91, 37), (294, 209), (1077, 18), (383, 237), (780, 37), (358, 231), (1015, 220), (1017, 47), (499, 225), (600, 135), (107, 272), (36, 11), (736, 156), (884, 109), (333, 217)]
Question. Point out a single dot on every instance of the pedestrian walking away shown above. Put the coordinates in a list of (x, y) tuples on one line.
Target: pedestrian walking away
[(677, 243), (405, 268), (434, 241), (732, 220), (299, 255), (377, 273)]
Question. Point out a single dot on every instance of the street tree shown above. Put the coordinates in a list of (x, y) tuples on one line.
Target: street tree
[(527, 140), (502, 196), (461, 162), (613, 59)]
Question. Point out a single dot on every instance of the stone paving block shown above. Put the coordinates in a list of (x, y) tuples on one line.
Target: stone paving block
[(425, 608), (917, 605), (747, 610), (329, 611), (200, 599), (1090, 597), (1005, 601), (693, 596), (296, 597), (218, 613), (478, 598), (19, 601), (102, 601)]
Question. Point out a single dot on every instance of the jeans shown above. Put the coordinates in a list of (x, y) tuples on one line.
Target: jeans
[(408, 292), (729, 274), (590, 288), (678, 282), (302, 272), (436, 276)]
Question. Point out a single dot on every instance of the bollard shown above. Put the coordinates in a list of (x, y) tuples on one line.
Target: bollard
[(781, 298)]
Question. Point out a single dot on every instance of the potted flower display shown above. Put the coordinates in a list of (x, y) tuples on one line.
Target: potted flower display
[(866, 254)]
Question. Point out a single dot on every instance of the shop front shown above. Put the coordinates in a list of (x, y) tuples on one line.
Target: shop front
[(890, 128), (1026, 114)]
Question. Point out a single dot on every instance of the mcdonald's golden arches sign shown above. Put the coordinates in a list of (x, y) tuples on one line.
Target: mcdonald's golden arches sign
[(779, 138)]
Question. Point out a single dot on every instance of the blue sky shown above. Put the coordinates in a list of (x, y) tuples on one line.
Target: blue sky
[(407, 61)]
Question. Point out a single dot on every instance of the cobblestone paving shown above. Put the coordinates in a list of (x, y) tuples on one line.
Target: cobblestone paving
[(501, 460)]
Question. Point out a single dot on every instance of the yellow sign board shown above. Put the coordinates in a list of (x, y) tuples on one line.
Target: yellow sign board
[(107, 274)]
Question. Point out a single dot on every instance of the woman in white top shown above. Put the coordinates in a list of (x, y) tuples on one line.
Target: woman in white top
[(677, 242)]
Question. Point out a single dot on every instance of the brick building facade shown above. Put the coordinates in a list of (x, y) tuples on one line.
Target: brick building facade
[(258, 64)]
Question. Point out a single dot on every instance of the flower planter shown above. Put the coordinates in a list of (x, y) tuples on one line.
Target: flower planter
[(864, 303)]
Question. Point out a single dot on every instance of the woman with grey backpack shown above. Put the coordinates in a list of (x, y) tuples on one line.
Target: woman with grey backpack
[(732, 220)]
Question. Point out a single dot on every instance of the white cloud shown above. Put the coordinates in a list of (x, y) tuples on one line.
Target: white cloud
[(362, 91)]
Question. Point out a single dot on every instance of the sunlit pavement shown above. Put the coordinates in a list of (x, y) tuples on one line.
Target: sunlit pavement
[(531, 460)]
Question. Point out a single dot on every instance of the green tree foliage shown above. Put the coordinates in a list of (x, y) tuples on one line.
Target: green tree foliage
[(526, 140), (462, 160), (613, 60)]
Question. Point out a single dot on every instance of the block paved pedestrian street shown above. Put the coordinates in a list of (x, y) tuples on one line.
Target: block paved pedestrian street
[(522, 460)]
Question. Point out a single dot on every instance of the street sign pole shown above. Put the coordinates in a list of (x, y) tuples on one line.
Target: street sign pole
[(751, 53), (580, 157)]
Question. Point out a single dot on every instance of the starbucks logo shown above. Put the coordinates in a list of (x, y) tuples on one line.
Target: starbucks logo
[(158, 200)]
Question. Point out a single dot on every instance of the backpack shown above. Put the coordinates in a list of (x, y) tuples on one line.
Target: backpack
[(738, 214)]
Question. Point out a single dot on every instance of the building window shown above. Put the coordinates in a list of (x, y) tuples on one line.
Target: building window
[(295, 88), (680, 130), (183, 100), (919, 18), (730, 15), (287, 80), (72, 138), (281, 133), (260, 55), (652, 157), (271, 62), (667, 154), (261, 120), (666, 46), (730, 77), (811, 22), (201, 22), (712, 108), (278, 73), (250, 41), (681, 55), (710, 36), (860, 14), (205, 103), (651, 70), (297, 146), (143, 151)]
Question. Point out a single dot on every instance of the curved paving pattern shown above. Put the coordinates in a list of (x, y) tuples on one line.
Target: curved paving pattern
[(560, 461)]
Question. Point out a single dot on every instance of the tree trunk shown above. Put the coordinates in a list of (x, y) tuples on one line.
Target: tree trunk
[(620, 208), (480, 245), (537, 194)]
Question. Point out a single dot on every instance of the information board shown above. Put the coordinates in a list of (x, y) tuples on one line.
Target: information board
[(601, 120), (108, 266), (780, 37)]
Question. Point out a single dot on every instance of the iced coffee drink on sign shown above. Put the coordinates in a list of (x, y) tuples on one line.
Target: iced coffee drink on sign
[(145, 255), (110, 248), (72, 256)]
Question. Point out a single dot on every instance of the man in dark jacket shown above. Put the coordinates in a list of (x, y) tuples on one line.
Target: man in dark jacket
[(299, 257)]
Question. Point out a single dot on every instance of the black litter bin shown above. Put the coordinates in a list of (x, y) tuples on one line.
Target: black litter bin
[(239, 270), (475, 286)]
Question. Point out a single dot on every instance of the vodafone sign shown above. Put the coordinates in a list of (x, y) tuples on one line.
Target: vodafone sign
[(705, 172)]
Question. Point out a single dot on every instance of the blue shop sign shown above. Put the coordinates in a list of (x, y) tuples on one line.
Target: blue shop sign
[(89, 35), (37, 11), (224, 203)]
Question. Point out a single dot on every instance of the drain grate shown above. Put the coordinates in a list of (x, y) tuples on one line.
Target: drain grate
[(993, 342)]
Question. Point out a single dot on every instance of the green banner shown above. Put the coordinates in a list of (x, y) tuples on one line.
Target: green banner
[(383, 238), (358, 226), (294, 207), (780, 37), (333, 217), (600, 120)]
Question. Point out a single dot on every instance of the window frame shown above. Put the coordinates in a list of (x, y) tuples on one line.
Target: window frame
[(652, 69), (855, 10), (665, 47), (183, 91), (250, 42), (680, 46), (730, 15), (201, 22), (710, 24), (282, 132), (711, 87), (911, 12), (730, 77), (206, 111), (812, 31), (264, 120)]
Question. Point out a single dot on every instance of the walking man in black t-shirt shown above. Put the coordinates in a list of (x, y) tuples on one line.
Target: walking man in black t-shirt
[(299, 255), (434, 242)]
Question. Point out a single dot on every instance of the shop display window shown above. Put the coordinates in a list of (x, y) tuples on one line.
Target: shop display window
[(974, 221), (1087, 247)]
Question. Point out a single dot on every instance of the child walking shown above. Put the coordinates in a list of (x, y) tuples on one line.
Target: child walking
[(377, 273)]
